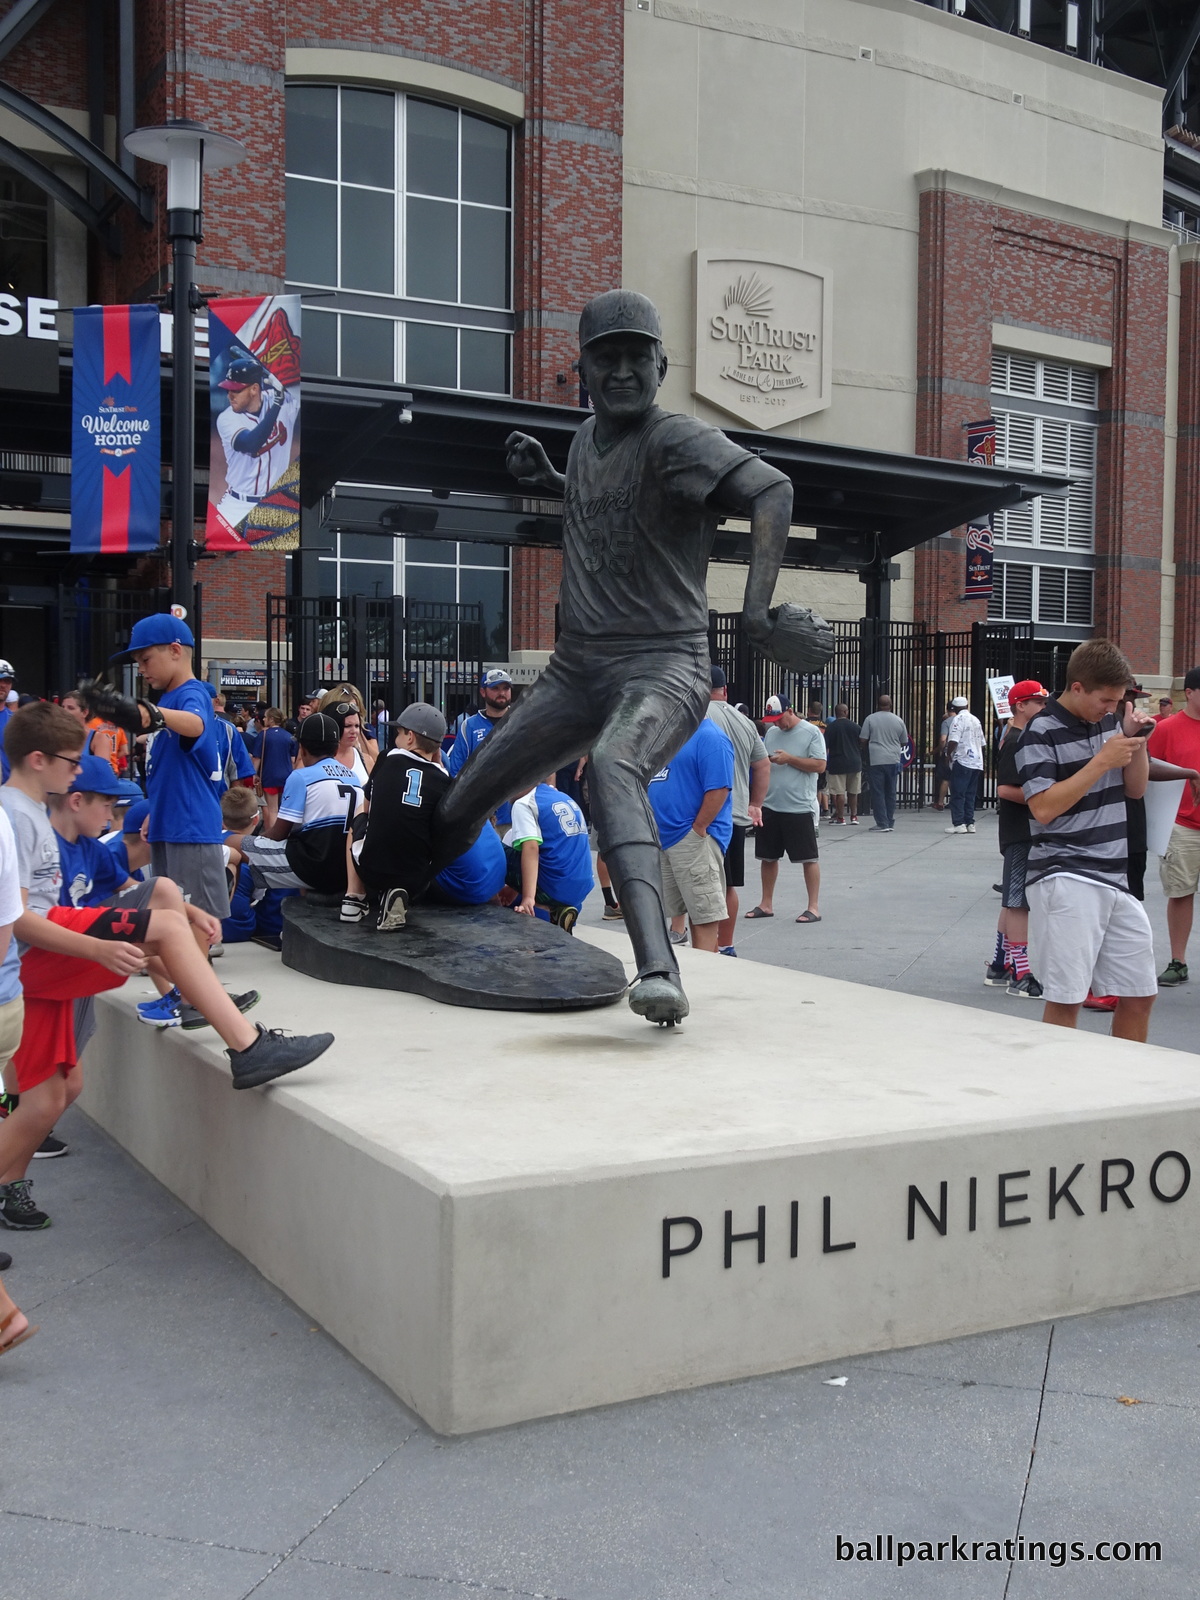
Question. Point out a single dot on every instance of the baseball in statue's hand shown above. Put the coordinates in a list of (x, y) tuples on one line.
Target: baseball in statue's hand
[(526, 459)]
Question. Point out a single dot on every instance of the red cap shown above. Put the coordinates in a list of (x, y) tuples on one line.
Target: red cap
[(1027, 689)]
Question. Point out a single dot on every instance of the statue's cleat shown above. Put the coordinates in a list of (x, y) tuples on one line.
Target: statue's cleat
[(659, 999)]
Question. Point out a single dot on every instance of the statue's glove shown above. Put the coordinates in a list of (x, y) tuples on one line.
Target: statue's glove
[(799, 639)]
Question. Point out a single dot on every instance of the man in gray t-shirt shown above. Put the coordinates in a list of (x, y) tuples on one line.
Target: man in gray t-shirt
[(885, 739), (789, 826), (751, 775)]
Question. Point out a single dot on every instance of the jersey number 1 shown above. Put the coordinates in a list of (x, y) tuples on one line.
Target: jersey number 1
[(412, 795)]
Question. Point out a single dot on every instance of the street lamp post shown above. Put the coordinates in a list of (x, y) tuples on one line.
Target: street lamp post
[(185, 148)]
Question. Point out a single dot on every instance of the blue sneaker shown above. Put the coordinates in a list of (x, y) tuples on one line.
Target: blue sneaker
[(726, 950), (165, 1012)]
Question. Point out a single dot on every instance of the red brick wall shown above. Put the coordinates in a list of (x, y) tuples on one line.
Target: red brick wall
[(981, 263), (1187, 473)]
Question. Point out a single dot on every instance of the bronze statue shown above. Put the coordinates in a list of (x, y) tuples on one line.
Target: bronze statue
[(629, 679)]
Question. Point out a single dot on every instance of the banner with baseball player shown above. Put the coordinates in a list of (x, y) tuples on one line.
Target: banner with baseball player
[(254, 386), (115, 434), (981, 539)]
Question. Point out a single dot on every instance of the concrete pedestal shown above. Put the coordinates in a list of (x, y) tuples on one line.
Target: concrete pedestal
[(507, 1216)]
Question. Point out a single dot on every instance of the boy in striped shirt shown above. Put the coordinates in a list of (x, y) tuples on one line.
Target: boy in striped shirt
[(1077, 764)]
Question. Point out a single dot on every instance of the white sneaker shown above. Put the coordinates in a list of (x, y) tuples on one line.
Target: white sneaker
[(970, 827), (959, 829)]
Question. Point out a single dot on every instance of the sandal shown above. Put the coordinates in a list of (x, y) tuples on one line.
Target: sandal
[(11, 1344), (808, 916), (758, 911)]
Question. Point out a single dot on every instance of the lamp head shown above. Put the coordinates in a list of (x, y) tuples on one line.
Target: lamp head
[(185, 148)]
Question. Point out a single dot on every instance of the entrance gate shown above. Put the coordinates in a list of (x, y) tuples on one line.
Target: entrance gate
[(394, 650)]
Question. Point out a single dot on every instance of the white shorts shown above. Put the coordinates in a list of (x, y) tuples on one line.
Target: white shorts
[(1085, 935)]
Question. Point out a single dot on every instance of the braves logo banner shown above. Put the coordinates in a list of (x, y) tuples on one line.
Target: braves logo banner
[(980, 549), (115, 435), (981, 442), (254, 388)]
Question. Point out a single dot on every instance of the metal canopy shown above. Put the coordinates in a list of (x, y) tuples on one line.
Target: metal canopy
[(442, 475)]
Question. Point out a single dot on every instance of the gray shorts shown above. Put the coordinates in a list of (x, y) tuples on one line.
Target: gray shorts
[(198, 869), (138, 896)]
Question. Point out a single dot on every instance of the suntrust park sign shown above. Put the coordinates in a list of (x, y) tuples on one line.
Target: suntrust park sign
[(762, 338)]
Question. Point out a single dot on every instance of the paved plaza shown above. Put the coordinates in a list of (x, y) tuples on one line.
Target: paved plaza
[(179, 1429)]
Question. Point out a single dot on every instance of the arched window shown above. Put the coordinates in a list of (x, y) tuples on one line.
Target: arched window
[(403, 208)]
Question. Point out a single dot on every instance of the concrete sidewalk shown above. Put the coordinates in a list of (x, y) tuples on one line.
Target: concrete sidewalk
[(179, 1429)]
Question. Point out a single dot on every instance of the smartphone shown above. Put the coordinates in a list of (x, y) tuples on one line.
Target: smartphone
[(1143, 730)]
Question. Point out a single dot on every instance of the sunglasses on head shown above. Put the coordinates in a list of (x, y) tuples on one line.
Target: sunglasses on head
[(345, 708)]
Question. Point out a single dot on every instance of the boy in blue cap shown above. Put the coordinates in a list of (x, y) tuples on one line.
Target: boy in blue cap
[(184, 764)]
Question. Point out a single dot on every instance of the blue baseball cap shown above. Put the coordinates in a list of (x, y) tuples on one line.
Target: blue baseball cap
[(95, 776), (135, 816), (161, 628), (128, 791), (494, 677)]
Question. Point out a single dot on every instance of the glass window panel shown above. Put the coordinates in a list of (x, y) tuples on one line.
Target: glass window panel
[(369, 137), (311, 232), (484, 257), (484, 361), (485, 164), (483, 555), (368, 348), (318, 343), (432, 149), (438, 551), (368, 241), (365, 577), (432, 250), (489, 589), (327, 577), (366, 547), (312, 130), (431, 355), (429, 583)]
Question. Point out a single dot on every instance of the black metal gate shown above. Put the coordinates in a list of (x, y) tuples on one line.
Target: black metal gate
[(93, 623), (393, 650), (920, 668)]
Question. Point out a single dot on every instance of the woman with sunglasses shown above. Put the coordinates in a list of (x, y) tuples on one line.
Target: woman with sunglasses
[(356, 749)]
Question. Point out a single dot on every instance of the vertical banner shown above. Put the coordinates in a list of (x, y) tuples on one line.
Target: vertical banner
[(254, 388), (981, 543), (116, 444)]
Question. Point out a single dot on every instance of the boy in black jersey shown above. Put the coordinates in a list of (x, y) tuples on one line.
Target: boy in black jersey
[(1010, 964), (392, 846)]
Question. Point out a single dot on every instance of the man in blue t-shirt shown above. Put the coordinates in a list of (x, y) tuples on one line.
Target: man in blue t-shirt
[(183, 765), (495, 698), (550, 860), (692, 801), (478, 875)]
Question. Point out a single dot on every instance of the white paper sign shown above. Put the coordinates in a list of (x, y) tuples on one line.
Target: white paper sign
[(1162, 802), (998, 689)]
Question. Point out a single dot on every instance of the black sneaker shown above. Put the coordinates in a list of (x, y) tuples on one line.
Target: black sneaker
[(1173, 975), (50, 1147), (354, 908), (273, 1053), (189, 1017), (996, 977), (17, 1209), (393, 911), (1027, 988), (269, 941), (613, 914)]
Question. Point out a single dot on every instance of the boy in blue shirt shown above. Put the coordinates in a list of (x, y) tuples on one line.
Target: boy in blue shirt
[(129, 844), (693, 808), (550, 860), (183, 765)]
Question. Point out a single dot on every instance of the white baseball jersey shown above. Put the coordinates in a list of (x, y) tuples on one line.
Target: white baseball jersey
[(250, 476)]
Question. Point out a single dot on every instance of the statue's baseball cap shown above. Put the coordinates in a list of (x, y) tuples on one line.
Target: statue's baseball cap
[(619, 311), (776, 705), (242, 373), (320, 733), (95, 776), (1027, 689), (425, 720), (161, 628), (493, 678)]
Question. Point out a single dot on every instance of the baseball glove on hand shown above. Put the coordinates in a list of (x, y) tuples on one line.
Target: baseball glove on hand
[(107, 703), (799, 639)]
